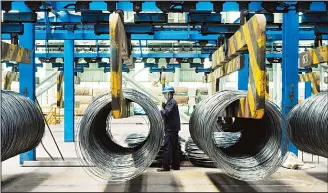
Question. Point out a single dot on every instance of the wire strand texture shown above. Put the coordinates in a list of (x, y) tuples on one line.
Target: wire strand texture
[(309, 125), (22, 124), (262, 145), (103, 158)]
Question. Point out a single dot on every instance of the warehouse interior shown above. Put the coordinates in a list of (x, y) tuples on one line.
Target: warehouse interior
[(83, 86)]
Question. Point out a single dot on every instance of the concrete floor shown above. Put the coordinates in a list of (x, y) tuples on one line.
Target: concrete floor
[(191, 179)]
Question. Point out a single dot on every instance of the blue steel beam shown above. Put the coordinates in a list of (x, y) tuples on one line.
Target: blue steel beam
[(206, 70), (135, 55), (103, 65), (107, 55), (76, 69), (83, 65), (151, 70), (151, 18), (208, 17), (57, 65), (290, 43), (314, 18), (307, 90), (321, 29), (134, 29), (158, 35), (69, 91), (150, 6), (27, 73), (150, 65), (107, 69), (196, 65), (174, 65), (8, 28), (26, 16), (40, 65)]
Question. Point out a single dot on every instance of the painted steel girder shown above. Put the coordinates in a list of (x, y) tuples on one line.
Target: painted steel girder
[(120, 50), (15, 53), (314, 56), (312, 77), (232, 66), (59, 94), (251, 38)]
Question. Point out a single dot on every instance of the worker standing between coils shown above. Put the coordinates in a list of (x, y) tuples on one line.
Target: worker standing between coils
[(170, 114)]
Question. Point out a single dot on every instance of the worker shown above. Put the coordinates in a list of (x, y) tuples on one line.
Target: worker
[(170, 114)]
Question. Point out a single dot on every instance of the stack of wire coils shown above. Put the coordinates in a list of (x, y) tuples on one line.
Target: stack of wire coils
[(309, 125), (135, 139), (199, 158), (103, 158), (22, 125), (261, 148)]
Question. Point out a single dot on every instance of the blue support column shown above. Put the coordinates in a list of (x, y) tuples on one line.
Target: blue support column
[(308, 90), (69, 91), (243, 75), (27, 73), (290, 40)]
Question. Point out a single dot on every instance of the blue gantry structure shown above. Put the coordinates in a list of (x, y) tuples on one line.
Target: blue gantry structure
[(204, 25)]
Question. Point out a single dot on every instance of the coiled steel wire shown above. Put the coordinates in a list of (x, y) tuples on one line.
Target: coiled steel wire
[(107, 161), (22, 124), (309, 125), (261, 148)]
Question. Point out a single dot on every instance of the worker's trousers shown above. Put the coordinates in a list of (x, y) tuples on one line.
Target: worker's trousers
[(171, 154)]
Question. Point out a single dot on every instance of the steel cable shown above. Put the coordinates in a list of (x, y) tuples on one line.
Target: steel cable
[(104, 159), (309, 125), (22, 124), (52, 136), (261, 148)]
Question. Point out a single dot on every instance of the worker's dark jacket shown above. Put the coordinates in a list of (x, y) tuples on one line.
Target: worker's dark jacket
[(171, 116)]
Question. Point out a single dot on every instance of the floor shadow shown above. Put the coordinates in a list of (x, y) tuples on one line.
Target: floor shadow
[(147, 182), (225, 183), (135, 185), (323, 176), (23, 182)]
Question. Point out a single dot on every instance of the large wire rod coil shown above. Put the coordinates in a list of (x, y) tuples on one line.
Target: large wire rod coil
[(22, 124), (309, 125), (106, 160), (260, 147)]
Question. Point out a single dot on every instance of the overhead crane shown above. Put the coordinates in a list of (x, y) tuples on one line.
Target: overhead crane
[(70, 28)]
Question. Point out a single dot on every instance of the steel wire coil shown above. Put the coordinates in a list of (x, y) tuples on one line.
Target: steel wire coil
[(261, 148), (309, 125), (22, 124), (107, 161)]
